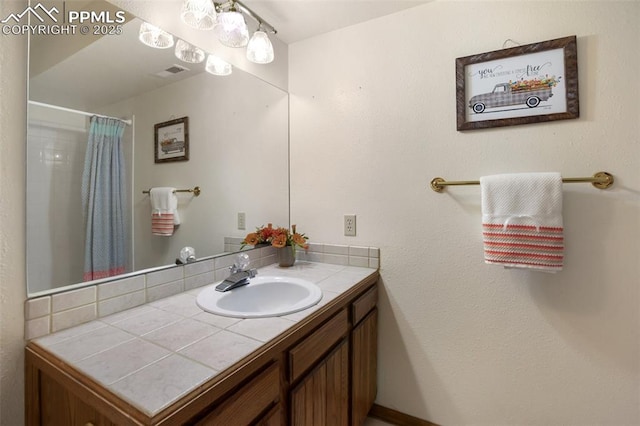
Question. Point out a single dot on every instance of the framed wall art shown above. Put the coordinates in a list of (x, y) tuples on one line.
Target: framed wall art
[(172, 140), (525, 84)]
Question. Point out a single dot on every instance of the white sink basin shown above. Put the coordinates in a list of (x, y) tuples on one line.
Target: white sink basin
[(267, 296)]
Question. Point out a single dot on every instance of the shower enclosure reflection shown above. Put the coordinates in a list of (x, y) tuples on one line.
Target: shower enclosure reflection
[(238, 133)]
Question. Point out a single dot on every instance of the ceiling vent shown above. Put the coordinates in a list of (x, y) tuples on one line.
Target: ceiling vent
[(172, 70)]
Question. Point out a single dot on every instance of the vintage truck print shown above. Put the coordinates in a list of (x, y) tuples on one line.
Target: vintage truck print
[(171, 145), (528, 92)]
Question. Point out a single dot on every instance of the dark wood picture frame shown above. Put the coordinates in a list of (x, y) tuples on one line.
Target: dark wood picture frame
[(171, 141), (525, 68)]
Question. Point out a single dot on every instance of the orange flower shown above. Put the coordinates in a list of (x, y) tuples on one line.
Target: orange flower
[(251, 239), (299, 240), (279, 241)]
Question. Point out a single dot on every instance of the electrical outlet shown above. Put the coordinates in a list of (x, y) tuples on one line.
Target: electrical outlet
[(242, 220), (350, 225)]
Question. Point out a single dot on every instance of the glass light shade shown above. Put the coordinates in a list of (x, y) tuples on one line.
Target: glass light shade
[(231, 29), (155, 37), (217, 66), (260, 49), (199, 14), (189, 53)]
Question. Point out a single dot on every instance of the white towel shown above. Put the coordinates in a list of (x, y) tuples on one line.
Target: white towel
[(164, 211), (522, 220)]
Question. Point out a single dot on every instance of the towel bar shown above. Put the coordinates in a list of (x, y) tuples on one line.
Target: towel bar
[(601, 180), (195, 191)]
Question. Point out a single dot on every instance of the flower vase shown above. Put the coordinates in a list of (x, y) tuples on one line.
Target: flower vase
[(286, 256)]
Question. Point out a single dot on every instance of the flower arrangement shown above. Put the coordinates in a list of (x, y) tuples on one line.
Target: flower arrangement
[(277, 237)]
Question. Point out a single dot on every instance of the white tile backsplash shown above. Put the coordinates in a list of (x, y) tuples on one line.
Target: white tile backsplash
[(73, 299), (71, 308), (200, 280), (336, 259), (358, 251), (121, 303), (72, 317), (36, 308), (165, 276), (359, 261), (224, 261), (336, 249), (37, 327), (120, 287), (164, 290), (198, 268)]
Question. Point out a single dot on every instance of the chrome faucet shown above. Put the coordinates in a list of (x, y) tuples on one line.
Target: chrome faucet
[(238, 278)]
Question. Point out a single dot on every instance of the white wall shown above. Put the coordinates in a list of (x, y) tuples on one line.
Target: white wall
[(13, 288), (373, 120)]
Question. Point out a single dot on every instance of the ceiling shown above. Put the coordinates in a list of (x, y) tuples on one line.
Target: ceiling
[(297, 20)]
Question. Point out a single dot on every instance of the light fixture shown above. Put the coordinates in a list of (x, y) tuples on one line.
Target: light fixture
[(231, 28), (199, 14), (217, 66), (260, 49), (155, 37), (189, 53)]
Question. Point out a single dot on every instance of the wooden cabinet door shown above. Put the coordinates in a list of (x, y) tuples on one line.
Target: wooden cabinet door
[(246, 405), (364, 367), (322, 398), (58, 406)]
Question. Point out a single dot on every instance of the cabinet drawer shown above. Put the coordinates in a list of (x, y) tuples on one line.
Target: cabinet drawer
[(364, 304), (305, 354), (245, 405)]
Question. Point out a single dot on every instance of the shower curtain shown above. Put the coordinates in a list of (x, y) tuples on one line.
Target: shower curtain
[(103, 196)]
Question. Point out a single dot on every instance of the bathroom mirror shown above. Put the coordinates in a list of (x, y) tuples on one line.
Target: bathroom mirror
[(238, 141)]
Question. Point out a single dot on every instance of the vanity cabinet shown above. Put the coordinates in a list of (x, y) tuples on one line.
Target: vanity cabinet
[(364, 360), (322, 371), (322, 397)]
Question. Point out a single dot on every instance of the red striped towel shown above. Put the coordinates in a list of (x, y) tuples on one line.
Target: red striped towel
[(162, 224), (522, 220), (164, 211)]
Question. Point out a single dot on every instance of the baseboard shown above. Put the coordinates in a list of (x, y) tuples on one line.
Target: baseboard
[(396, 417)]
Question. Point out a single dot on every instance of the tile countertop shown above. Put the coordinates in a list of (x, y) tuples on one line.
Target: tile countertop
[(156, 353)]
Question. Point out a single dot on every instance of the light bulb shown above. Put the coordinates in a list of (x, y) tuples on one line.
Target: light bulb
[(189, 53), (153, 36), (199, 14), (260, 49), (231, 29), (217, 66)]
